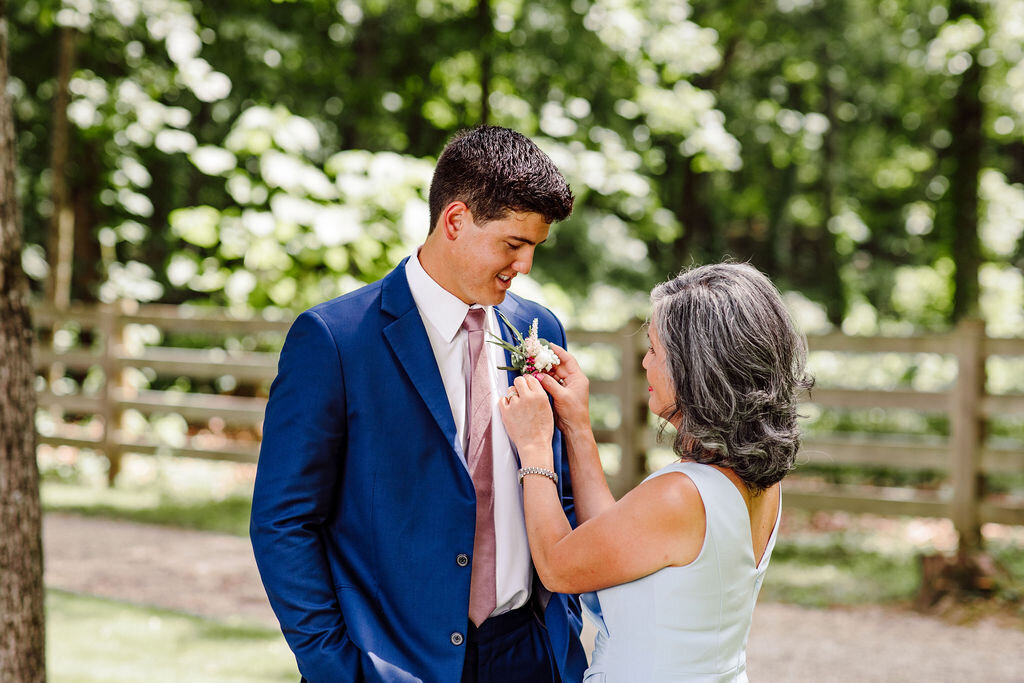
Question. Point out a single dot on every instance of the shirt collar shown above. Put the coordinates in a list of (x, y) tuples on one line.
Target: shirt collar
[(442, 309)]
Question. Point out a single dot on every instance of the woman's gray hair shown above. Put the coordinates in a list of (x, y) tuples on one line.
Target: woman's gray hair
[(736, 363)]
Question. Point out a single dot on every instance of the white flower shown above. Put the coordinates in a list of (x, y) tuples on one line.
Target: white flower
[(545, 359)]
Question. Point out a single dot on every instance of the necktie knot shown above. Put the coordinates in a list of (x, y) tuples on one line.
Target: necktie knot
[(475, 319)]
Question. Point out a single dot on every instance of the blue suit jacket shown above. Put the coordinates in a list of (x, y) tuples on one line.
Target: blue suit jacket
[(362, 504)]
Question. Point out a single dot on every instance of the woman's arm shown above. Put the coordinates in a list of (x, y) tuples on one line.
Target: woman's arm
[(590, 488), (570, 391), (658, 524)]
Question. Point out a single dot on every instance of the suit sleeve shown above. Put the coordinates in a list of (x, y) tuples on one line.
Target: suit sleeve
[(561, 456), (568, 502), (296, 483)]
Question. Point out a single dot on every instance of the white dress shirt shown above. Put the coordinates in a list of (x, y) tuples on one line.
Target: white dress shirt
[(443, 314)]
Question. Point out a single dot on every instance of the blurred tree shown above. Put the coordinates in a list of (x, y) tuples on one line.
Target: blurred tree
[(831, 143), (22, 630), (60, 243), (967, 148)]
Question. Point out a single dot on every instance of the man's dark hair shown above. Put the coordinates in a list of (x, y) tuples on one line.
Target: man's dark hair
[(496, 171)]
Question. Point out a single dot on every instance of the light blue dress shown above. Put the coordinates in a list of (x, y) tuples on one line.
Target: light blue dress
[(686, 623)]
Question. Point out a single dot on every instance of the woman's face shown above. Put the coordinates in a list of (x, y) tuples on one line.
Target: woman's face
[(662, 398)]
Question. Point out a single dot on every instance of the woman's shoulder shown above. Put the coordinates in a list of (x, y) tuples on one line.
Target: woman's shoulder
[(692, 482), (673, 489), (676, 513)]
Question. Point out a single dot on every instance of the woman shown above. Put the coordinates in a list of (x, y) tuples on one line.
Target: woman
[(677, 563)]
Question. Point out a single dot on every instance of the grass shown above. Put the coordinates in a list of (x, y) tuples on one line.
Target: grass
[(181, 492), (838, 575), (91, 639), (228, 515), (865, 559)]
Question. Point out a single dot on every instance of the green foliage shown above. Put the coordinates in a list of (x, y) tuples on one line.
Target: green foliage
[(874, 475), (278, 154), (1010, 587)]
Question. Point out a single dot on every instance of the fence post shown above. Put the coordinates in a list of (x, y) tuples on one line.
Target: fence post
[(633, 403), (640, 400), (112, 380), (55, 371), (968, 433)]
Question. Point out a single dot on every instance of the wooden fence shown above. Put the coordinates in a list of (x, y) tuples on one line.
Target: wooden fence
[(82, 343)]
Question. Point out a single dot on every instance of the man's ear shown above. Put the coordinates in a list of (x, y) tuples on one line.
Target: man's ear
[(455, 218)]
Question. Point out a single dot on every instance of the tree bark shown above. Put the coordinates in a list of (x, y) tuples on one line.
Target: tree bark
[(22, 629), (966, 150), (698, 241), (485, 25), (60, 246), (832, 284)]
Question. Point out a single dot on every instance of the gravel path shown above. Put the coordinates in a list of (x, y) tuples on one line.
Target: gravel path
[(214, 575)]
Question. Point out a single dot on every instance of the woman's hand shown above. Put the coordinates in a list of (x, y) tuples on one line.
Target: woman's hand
[(570, 389), (527, 416)]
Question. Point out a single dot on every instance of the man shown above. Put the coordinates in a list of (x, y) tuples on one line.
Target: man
[(387, 515)]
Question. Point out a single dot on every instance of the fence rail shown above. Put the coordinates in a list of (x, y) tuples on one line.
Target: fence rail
[(109, 339)]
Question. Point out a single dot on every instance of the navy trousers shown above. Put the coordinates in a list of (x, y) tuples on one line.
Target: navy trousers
[(509, 648)]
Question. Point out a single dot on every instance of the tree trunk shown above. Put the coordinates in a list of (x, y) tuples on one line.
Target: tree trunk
[(22, 630), (965, 150), (61, 242), (1014, 153), (486, 36), (698, 241), (89, 269), (832, 284)]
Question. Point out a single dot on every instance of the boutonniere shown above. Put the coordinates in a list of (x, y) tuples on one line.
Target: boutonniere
[(530, 354)]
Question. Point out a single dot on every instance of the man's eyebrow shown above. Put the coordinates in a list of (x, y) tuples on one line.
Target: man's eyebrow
[(526, 241)]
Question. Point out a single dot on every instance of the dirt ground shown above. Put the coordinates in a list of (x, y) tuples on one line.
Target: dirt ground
[(214, 575)]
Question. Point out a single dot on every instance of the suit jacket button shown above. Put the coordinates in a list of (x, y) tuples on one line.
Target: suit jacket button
[(457, 639), (462, 559)]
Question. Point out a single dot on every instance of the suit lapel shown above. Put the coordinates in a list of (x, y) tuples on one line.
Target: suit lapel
[(510, 309), (408, 340), (520, 317), (513, 312)]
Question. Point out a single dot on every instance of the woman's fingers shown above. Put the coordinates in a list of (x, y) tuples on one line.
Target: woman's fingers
[(524, 386), (527, 385), (526, 413), (567, 370), (552, 385), (566, 360)]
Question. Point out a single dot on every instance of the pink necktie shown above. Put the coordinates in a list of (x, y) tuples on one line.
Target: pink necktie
[(482, 590)]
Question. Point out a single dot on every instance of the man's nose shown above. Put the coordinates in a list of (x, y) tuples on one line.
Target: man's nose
[(524, 263)]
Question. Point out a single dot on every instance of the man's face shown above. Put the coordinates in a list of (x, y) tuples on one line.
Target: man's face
[(485, 258)]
